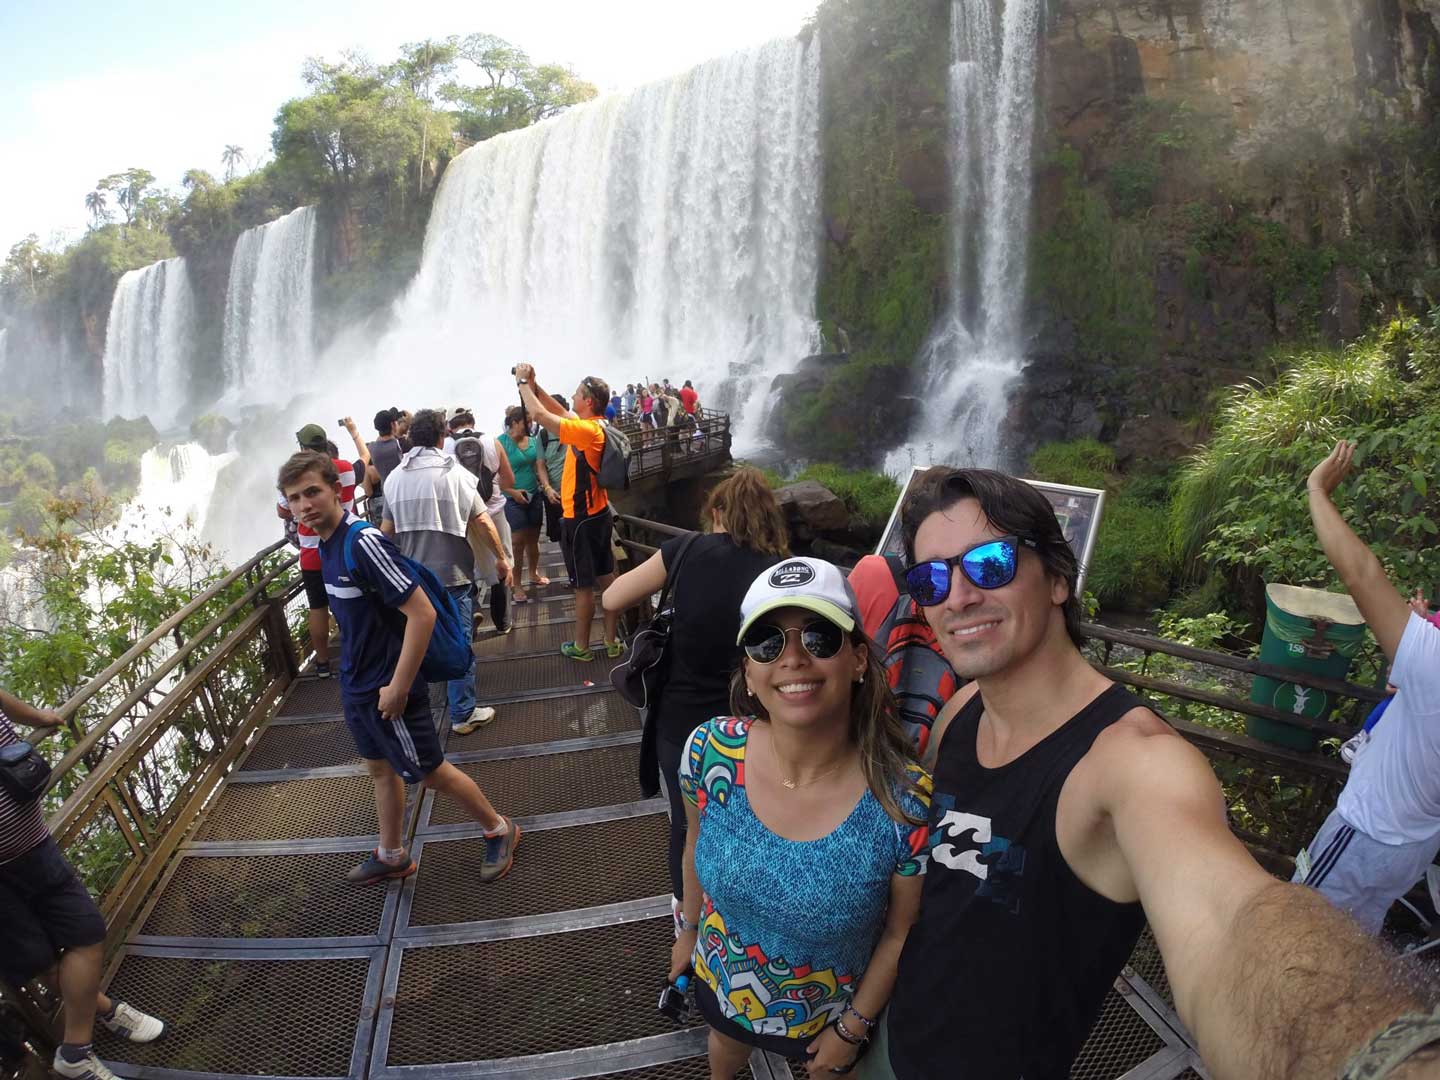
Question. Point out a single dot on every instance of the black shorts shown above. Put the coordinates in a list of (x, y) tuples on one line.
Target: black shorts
[(585, 543), (44, 910), (315, 595)]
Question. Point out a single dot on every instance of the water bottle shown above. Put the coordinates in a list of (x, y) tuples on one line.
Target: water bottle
[(672, 1000)]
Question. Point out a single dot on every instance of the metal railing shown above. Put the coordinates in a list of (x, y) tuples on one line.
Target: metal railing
[(658, 452)]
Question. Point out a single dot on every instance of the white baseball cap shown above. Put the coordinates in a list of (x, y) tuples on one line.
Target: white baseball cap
[(812, 584)]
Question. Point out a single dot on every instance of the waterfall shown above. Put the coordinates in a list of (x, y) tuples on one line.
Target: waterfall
[(4, 350), (268, 308), (976, 352), (148, 343), (176, 483), (672, 231)]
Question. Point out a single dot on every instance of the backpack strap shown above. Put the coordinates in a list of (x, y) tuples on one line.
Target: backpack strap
[(354, 530), (673, 572), (897, 571)]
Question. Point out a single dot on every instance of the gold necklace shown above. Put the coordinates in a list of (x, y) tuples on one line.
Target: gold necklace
[(793, 784)]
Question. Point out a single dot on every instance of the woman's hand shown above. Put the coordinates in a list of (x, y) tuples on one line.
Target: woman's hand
[(552, 495), (681, 953), (829, 1054)]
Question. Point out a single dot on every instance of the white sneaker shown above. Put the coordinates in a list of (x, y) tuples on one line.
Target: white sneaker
[(481, 717), (1353, 745), (133, 1024), (87, 1068)]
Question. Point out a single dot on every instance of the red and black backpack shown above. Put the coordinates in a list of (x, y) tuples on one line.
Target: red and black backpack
[(919, 675)]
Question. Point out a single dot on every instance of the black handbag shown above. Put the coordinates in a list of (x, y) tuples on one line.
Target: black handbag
[(638, 679), (24, 774)]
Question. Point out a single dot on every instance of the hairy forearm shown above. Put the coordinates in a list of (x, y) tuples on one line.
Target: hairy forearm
[(483, 529), (1298, 989), (541, 406)]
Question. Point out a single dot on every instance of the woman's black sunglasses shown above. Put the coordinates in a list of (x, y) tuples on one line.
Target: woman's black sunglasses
[(764, 642), (990, 565)]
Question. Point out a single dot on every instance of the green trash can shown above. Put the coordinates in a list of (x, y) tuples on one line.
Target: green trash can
[(1308, 631)]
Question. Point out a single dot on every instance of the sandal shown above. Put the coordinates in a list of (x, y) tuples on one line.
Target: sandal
[(539, 582), (519, 596)]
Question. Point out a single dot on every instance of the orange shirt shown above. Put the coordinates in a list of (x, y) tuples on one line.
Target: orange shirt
[(589, 437)]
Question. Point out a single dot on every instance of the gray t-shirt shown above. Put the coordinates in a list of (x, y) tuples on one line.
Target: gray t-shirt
[(430, 498)]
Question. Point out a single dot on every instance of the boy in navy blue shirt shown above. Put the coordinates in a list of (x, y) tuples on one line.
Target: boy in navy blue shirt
[(386, 703)]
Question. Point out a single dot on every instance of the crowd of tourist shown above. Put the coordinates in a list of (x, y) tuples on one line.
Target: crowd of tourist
[(917, 862)]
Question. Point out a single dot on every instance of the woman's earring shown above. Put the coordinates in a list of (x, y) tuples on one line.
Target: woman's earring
[(860, 681)]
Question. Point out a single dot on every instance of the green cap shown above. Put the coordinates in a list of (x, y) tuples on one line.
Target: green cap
[(312, 437)]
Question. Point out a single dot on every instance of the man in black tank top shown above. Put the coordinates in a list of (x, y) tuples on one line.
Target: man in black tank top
[(1065, 813)]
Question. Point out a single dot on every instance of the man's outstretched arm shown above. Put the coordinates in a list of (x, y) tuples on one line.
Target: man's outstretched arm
[(1385, 610), (1272, 980)]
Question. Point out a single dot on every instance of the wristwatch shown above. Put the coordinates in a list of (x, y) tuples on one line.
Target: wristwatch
[(683, 923)]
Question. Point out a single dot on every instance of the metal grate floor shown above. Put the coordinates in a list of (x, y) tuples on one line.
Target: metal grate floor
[(524, 787), (293, 809), (538, 674), (540, 994), (313, 697), (296, 1017), (522, 723), (302, 746), (299, 895), (560, 872), (525, 640), (1119, 1041)]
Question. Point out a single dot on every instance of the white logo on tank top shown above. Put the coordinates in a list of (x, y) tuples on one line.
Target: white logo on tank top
[(956, 824)]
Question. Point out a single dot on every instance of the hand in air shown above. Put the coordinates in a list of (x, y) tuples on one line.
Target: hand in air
[(1331, 472), (524, 372), (1420, 604), (349, 425)]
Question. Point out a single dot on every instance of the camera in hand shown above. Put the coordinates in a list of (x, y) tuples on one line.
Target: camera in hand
[(672, 1000)]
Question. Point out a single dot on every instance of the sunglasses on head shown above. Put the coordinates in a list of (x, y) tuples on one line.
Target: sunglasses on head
[(990, 565), (764, 642)]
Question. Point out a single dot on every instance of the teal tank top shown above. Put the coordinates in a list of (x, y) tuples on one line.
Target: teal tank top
[(522, 462)]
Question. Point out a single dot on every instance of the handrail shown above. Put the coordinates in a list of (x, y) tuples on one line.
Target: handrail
[(68, 710), (653, 526)]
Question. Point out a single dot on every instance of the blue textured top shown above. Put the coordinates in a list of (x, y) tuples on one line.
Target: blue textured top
[(786, 926)]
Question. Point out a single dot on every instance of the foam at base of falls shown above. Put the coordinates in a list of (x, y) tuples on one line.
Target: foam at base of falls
[(176, 484)]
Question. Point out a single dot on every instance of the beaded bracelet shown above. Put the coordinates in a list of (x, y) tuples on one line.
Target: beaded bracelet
[(869, 1024), (846, 1034)]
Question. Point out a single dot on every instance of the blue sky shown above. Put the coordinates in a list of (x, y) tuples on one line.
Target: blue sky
[(90, 88)]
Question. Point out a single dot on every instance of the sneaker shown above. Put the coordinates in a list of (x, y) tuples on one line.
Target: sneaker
[(572, 651), (133, 1024), (503, 630), (376, 869), (322, 669), (87, 1068), (478, 718), (1353, 745), (614, 649), (500, 853)]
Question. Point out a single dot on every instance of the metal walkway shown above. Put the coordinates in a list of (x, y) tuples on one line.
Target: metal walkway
[(265, 962)]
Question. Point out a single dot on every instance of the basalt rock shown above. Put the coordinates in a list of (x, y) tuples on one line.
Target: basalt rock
[(812, 509)]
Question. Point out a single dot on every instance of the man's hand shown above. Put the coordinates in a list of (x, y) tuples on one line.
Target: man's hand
[(349, 425), (1331, 472), (392, 700), (46, 718), (502, 571), (553, 495), (524, 373)]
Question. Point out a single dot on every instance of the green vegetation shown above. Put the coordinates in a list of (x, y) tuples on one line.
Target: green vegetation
[(868, 495), (42, 461)]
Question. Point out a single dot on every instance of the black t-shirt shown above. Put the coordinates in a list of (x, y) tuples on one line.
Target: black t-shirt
[(706, 596), (385, 454)]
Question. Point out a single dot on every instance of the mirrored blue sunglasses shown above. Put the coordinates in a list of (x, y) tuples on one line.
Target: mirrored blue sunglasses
[(990, 565)]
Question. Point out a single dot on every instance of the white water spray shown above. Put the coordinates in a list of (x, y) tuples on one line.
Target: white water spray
[(176, 483), (673, 231), (149, 343), (269, 311), (976, 353)]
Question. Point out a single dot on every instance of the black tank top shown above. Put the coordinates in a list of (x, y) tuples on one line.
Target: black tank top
[(1006, 969)]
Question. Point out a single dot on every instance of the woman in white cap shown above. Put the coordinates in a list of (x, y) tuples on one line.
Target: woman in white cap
[(807, 833)]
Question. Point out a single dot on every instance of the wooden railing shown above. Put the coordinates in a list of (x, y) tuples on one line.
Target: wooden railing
[(156, 730)]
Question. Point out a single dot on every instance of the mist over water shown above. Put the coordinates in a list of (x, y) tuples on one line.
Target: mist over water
[(269, 309), (976, 352), (149, 343)]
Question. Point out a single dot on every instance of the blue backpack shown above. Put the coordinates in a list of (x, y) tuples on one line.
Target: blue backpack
[(448, 655)]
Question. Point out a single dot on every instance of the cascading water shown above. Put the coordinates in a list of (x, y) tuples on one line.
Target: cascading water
[(149, 342), (976, 353), (4, 345), (176, 484), (269, 326), (673, 231)]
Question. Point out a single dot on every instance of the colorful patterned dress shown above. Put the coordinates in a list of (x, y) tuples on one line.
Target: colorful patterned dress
[(787, 926)]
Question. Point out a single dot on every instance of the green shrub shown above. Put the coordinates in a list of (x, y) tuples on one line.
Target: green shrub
[(1082, 462), (1132, 567), (868, 495)]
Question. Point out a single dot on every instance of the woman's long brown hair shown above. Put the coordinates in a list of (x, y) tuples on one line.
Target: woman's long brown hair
[(886, 753), (749, 511)]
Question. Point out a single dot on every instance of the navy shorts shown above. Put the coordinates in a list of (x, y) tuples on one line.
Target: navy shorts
[(523, 516), (410, 744), (44, 910)]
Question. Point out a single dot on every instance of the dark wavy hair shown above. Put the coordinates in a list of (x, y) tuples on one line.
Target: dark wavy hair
[(426, 427), (297, 465), (1011, 506)]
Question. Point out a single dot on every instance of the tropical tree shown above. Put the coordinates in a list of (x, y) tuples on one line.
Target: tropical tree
[(515, 92), (232, 157), (96, 203)]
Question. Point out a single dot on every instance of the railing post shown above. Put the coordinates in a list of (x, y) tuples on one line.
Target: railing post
[(277, 634)]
